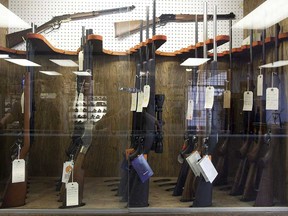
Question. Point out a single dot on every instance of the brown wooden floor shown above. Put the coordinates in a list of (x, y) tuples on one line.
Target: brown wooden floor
[(100, 199)]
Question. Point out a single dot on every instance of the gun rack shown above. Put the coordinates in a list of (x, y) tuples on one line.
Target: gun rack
[(5, 50)]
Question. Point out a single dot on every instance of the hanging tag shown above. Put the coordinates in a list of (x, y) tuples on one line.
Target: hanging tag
[(18, 170), (22, 102), (209, 97), (67, 169), (72, 194), (146, 95), (248, 101), (207, 169), (227, 99), (272, 99), (140, 102), (133, 101), (80, 60), (260, 85), (190, 108), (192, 160)]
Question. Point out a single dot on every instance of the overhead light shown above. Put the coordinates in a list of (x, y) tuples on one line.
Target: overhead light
[(4, 56), (275, 64), (51, 73), (64, 62), (264, 16), (11, 20), (23, 62), (194, 62), (83, 73)]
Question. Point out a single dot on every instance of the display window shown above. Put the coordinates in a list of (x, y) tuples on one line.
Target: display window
[(102, 113)]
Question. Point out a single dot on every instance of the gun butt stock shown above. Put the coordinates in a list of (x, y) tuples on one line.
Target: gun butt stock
[(15, 194), (16, 38)]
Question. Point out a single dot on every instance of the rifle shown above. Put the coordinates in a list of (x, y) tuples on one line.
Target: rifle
[(265, 194), (203, 193), (188, 146), (139, 192), (15, 193), (16, 38), (185, 173), (243, 167), (82, 136), (222, 164), (124, 28)]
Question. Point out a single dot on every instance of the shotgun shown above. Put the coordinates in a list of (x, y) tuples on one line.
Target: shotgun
[(16, 38), (125, 28)]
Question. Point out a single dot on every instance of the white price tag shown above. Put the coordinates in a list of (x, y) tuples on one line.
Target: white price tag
[(207, 169), (227, 99), (272, 99), (190, 108), (72, 194), (146, 95), (192, 160), (260, 85), (133, 101), (248, 101), (18, 170), (67, 169), (209, 97), (140, 102), (80, 60)]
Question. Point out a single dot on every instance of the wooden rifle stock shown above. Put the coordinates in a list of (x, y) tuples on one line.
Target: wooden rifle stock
[(265, 194), (16, 38), (15, 193), (125, 28), (191, 181), (249, 192)]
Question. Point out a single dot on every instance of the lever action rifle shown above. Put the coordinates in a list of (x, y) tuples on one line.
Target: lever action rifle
[(16, 38), (83, 137), (15, 193), (125, 28)]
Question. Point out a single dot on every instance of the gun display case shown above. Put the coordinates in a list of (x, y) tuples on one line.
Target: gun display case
[(251, 147)]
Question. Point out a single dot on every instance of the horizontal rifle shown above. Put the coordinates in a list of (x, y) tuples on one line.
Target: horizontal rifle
[(16, 38), (125, 28)]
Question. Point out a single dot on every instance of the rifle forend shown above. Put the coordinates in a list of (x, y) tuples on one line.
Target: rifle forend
[(18, 37), (125, 28)]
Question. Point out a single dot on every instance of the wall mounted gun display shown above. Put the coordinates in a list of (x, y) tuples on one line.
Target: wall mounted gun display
[(16, 38)]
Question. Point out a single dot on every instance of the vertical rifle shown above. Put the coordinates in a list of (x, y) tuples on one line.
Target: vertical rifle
[(242, 170), (136, 138), (203, 194), (139, 192), (265, 194), (84, 141), (15, 193), (249, 192), (185, 174), (222, 163)]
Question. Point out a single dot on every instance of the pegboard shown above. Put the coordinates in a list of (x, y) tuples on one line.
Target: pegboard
[(179, 35)]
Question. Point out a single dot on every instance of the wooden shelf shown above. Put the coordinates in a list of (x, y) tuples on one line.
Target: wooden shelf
[(43, 46), (8, 51)]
